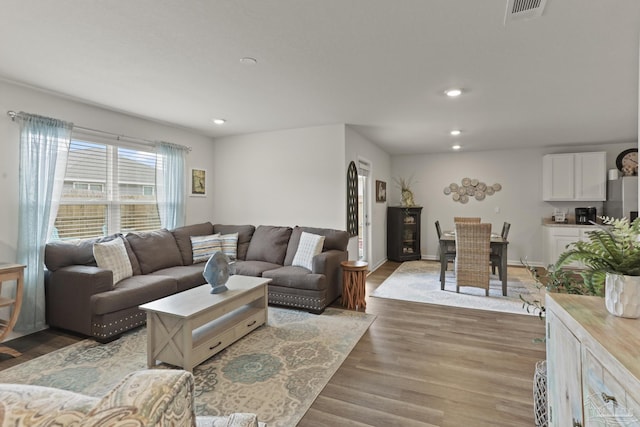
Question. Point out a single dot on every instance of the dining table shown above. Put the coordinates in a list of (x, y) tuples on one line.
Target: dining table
[(498, 246)]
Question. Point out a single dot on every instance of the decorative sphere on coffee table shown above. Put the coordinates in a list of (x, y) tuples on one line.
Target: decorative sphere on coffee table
[(216, 272)]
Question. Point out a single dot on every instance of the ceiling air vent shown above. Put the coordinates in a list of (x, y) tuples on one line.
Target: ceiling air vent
[(523, 9)]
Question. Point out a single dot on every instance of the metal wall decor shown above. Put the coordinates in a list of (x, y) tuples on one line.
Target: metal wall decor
[(470, 188), (352, 199)]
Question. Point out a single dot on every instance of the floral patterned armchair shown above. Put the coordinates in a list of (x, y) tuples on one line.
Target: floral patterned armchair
[(158, 397)]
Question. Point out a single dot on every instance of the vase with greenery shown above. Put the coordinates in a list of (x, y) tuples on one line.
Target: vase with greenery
[(609, 265)]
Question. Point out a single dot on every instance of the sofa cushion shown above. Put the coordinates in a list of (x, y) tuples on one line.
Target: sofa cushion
[(112, 255), (205, 246), (186, 277), (296, 277), (310, 245), (155, 250), (253, 268), (133, 291), (183, 238), (245, 232), (333, 239), (269, 244)]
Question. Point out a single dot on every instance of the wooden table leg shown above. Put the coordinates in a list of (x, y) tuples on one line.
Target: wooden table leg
[(443, 263), (11, 272), (503, 268)]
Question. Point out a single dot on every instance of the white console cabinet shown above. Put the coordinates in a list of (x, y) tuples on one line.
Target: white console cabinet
[(574, 177), (593, 364)]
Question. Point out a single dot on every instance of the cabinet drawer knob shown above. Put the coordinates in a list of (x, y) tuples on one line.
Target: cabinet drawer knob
[(219, 343), (608, 398), (251, 324), (576, 423)]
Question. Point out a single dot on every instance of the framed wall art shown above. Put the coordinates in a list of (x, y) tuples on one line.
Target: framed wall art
[(198, 182), (381, 191)]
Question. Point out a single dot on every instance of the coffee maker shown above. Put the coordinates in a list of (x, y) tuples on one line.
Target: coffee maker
[(586, 215)]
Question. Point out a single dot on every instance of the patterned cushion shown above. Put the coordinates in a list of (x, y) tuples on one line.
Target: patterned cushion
[(205, 246), (230, 245), (113, 256), (310, 245)]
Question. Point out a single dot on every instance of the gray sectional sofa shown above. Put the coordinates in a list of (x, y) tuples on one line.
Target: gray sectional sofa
[(81, 297)]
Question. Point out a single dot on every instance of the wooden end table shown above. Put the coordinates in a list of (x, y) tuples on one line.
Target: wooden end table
[(354, 280), (11, 272)]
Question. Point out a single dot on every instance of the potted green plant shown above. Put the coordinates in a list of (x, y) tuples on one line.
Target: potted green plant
[(611, 260)]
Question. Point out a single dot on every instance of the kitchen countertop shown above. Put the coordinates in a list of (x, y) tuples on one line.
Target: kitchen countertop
[(559, 224), (547, 222)]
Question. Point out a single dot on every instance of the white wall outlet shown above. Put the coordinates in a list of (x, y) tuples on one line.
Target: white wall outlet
[(497, 209)]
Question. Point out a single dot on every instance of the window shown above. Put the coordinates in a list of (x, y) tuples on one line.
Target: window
[(107, 189)]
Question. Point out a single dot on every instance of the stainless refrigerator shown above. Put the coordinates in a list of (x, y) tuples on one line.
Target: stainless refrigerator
[(622, 198)]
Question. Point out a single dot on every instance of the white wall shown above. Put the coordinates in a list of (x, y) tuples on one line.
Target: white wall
[(288, 177), (19, 98), (519, 202), (360, 148)]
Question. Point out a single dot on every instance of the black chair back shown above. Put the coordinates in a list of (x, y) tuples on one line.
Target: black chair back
[(505, 230), (438, 229)]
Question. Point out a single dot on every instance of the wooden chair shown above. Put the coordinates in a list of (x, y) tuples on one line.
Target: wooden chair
[(473, 250), (467, 219), (495, 256), (450, 251)]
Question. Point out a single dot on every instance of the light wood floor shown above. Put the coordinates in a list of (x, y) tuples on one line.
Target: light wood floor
[(417, 365)]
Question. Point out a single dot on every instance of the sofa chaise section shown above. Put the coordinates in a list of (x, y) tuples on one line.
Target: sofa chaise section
[(312, 290)]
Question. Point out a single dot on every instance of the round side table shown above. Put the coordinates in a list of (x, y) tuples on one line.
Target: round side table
[(354, 278)]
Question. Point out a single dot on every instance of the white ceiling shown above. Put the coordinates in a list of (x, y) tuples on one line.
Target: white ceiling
[(569, 77)]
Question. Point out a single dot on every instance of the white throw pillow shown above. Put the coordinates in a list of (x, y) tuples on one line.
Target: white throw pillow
[(310, 245), (112, 255), (203, 247)]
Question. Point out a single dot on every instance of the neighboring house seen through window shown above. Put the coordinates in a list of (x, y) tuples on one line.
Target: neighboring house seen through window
[(107, 189)]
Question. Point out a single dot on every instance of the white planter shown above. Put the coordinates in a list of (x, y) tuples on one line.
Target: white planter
[(622, 295)]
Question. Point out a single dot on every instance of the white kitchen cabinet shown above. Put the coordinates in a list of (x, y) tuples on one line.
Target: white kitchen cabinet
[(557, 237), (574, 177), (593, 364)]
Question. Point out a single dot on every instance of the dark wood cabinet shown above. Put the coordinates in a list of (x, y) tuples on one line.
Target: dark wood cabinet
[(403, 233)]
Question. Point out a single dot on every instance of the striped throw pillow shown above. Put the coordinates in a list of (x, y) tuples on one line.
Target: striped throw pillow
[(310, 245), (230, 245), (112, 255), (205, 246)]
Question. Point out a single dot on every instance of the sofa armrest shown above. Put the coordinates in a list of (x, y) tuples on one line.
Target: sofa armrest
[(68, 292), (155, 397), (328, 261)]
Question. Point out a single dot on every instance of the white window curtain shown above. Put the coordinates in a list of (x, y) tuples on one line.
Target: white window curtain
[(171, 184), (44, 145)]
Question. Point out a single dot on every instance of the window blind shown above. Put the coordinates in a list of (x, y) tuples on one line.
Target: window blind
[(107, 189)]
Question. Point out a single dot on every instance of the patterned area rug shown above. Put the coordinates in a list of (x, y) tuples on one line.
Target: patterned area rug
[(419, 281), (276, 371)]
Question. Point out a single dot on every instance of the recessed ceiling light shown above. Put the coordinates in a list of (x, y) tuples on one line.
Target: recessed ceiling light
[(247, 60), (453, 92), (455, 132), (456, 147), (219, 121)]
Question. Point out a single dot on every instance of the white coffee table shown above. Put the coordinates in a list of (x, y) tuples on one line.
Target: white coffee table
[(187, 328)]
